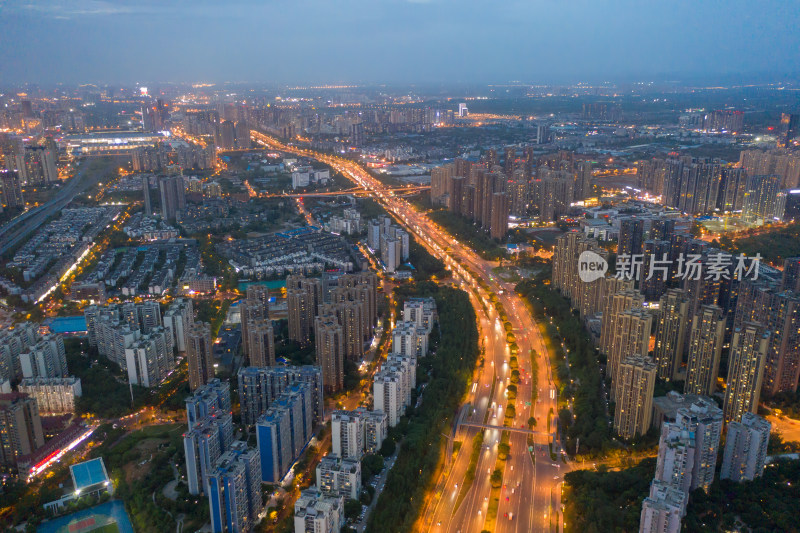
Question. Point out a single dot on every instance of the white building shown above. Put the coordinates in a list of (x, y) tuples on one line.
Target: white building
[(746, 448), (339, 477), (178, 319), (315, 512), (410, 339), (45, 359), (150, 359), (55, 396), (347, 435), (662, 510), (376, 429), (387, 392), (421, 311)]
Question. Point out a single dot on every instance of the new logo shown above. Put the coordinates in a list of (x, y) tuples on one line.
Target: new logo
[(591, 266)]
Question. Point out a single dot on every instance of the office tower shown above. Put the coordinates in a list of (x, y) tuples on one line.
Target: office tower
[(779, 312), (12, 189), (329, 339), (745, 448), (149, 360), (178, 319), (663, 509), (347, 434), (260, 343), (655, 269), (631, 236), (670, 335), (283, 431), (705, 347), (54, 396), (213, 395), (388, 395), (45, 359), (790, 281), (749, 348), (788, 129), (763, 201), (631, 337), (234, 490), (339, 476), (20, 428), (148, 204), (259, 387), (200, 355), (315, 512), (634, 399), (499, 220), (376, 429), (203, 444), (615, 305), (173, 197)]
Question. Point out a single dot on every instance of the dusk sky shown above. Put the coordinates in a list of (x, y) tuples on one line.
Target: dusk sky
[(386, 41)]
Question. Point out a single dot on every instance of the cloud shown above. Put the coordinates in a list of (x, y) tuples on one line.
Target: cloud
[(65, 9)]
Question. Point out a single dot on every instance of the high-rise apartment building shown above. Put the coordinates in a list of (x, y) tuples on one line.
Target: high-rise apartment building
[(746, 448), (634, 399), (329, 337), (283, 432), (632, 330), (663, 509), (215, 394), (200, 355), (178, 319), (670, 333), (260, 343), (315, 512), (749, 348), (705, 347), (259, 387), (234, 490), (203, 445), (347, 435), (55, 396), (339, 476), (173, 197), (20, 428)]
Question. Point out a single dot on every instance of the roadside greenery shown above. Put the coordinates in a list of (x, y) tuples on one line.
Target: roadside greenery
[(450, 373), (468, 233), (590, 422)]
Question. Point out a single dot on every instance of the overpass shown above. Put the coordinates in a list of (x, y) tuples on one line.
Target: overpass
[(506, 428)]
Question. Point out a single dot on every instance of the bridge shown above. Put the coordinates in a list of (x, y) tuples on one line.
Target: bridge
[(506, 428)]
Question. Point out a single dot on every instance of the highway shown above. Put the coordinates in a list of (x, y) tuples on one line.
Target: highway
[(535, 502), (20, 227)]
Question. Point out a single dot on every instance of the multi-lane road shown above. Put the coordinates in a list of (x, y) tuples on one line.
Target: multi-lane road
[(529, 498)]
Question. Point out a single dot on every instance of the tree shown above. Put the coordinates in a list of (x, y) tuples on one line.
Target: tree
[(531, 423), (496, 478), (503, 450), (371, 464), (352, 508), (388, 448)]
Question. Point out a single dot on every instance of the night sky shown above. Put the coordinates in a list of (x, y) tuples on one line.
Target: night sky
[(396, 41)]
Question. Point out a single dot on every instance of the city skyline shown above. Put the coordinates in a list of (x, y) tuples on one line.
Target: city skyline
[(396, 41)]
